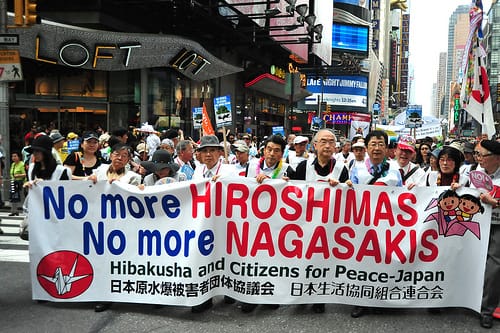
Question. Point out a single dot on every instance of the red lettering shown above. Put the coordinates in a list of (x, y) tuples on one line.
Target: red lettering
[(366, 251), (383, 210), (413, 215), (233, 200), (240, 242), (290, 202), (324, 204), (350, 209), (200, 199), (338, 201), (341, 241), (318, 235), (392, 246), (296, 252), (413, 245), (273, 201), (263, 241), (430, 233), (218, 194)]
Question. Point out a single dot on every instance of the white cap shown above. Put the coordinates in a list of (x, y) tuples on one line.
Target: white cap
[(359, 144), (300, 139)]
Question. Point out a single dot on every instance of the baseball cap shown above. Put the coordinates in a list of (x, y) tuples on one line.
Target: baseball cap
[(300, 139), (72, 136), (359, 144), (406, 142), (90, 135), (56, 137), (141, 147), (243, 148)]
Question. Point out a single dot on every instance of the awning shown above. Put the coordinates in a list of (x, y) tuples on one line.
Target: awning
[(274, 86)]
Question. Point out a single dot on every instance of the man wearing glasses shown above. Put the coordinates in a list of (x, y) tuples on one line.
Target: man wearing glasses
[(487, 153), (376, 170), (324, 168)]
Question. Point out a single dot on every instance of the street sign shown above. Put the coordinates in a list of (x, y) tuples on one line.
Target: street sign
[(9, 39), (10, 65)]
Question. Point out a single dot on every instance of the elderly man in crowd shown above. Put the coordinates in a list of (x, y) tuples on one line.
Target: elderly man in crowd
[(185, 151), (411, 173), (323, 168), (300, 153), (487, 152)]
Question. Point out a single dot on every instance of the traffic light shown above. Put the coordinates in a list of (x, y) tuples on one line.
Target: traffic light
[(18, 12), (30, 15)]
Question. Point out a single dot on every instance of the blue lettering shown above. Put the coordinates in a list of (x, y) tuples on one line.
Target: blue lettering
[(175, 251), (121, 244), (84, 206), (171, 206), (140, 208), (113, 200), (149, 204), (206, 242), (98, 242), (48, 197), (147, 235)]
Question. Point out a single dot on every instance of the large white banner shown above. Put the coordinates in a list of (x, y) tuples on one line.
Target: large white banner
[(278, 242)]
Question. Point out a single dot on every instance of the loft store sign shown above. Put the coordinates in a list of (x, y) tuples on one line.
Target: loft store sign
[(76, 47), (76, 54)]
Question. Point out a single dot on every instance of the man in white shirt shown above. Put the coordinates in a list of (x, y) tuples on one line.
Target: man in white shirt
[(411, 173), (271, 165), (211, 164), (345, 155), (359, 151), (242, 152), (300, 153), (184, 151)]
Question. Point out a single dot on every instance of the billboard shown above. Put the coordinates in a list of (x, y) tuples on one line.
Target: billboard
[(339, 90), (350, 37)]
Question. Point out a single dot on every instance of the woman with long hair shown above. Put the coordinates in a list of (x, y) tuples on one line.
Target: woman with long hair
[(423, 155), (43, 167), (450, 159), (86, 159)]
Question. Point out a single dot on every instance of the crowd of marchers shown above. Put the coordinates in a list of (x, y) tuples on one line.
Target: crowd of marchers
[(146, 157)]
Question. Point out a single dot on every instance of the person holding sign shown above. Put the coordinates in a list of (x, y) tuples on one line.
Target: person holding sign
[(450, 159), (324, 168), (271, 165), (116, 171), (43, 167), (411, 173), (487, 153), (375, 170), (211, 167)]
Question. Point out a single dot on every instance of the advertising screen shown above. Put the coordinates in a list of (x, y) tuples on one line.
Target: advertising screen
[(350, 37)]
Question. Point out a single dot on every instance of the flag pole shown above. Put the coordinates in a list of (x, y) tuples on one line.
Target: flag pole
[(225, 142)]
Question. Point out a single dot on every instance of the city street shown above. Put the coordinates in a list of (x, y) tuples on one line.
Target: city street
[(18, 313)]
